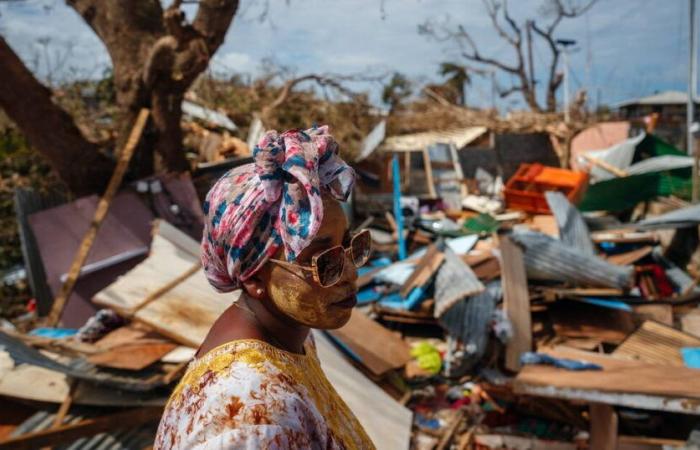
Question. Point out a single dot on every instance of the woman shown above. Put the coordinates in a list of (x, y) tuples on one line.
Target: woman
[(274, 229)]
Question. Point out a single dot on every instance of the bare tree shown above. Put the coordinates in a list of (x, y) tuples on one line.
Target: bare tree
[(156, 54), (518, 36)]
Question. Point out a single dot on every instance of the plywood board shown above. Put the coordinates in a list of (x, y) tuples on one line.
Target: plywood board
[(132, 357), (617, 376), (662, 313), (166, 261), (183, 313), (378, 349), (516, 300), (386, 421), (656, 343), (186, 312), (690, 322)]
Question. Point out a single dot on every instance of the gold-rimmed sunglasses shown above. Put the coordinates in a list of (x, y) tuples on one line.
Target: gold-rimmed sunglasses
[(327, 266)]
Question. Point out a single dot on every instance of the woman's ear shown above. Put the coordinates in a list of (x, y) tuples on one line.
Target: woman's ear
[(254, 288)]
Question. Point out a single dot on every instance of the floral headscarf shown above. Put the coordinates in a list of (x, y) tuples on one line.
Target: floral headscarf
[(275, 202)]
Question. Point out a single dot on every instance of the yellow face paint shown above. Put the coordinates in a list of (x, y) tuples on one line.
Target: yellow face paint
[(294, 293)]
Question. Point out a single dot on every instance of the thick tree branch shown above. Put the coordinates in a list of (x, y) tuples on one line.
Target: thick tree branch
[(48, 128), (212, 21)]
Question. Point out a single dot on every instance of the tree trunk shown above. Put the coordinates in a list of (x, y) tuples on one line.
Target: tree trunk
[(50, 129), (167, 112)]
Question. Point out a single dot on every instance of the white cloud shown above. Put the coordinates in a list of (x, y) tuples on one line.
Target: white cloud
[(635, 47)]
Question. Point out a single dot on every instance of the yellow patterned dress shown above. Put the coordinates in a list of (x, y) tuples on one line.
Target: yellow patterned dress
[(248, 394)]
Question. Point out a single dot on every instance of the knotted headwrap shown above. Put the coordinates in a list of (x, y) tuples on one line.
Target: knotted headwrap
[(275, 202)]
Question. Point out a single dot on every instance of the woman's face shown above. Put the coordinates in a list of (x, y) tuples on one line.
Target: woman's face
[(295, 294)]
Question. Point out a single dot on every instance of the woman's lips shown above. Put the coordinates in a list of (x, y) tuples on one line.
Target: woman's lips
[(347, 302)]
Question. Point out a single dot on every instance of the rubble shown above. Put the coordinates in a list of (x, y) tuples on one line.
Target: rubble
[(481, 324)]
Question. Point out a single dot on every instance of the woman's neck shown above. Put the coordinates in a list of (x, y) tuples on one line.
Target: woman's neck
[(277, 331)]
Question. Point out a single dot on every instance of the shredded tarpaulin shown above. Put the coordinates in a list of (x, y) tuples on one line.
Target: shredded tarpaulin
[(256, 209), (562, 363)]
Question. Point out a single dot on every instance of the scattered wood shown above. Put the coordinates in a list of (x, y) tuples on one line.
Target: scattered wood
[(361, 336), (625, 237), (132, 356), (618, 376), (450, 431), (631, 257), (662, 313), (656, 343), (425, 269), (516, 300), (690, 322), (603, 427), (100, 214), (87, 427), (173, 312)]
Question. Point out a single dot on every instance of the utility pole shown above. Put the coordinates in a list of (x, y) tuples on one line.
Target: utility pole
[(690, 108), (529, 54), (565, 44)]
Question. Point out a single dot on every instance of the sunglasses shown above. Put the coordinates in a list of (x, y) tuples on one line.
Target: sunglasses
[(327, 266)]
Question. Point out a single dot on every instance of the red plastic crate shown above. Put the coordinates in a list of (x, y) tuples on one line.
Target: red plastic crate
[(525, 190)]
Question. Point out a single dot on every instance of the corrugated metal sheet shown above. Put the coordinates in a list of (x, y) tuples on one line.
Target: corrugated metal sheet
[(454, 281), (79, 368), (551, 259), (661, 98), (419, 141), (619, 155), (572, 228), (129, 439), (208, 115), (680, 218), (28, 202), (660, 163), (468, 320), (372, 140)]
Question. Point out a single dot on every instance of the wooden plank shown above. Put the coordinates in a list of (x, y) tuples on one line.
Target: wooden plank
[(429, 174), (386, 421), (631, 257), (170, 257), (186, 313), (605, 165), (617, 377), (379, 349), (662, 313), (603, 427), (88, 427), (182, 311), (656, 343), (516, 301), (426, 267), (690, 322), (100, 213), (132, 357)]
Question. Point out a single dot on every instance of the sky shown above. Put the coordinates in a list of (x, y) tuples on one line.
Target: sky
[(625, 48)]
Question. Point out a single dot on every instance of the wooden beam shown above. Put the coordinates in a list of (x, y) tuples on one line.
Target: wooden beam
[(100, 214), (516, 301), (605, 166), (603, 427), (88, 427), (429, 173)]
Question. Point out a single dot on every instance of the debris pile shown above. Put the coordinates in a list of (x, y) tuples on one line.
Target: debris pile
[(537, 310)]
